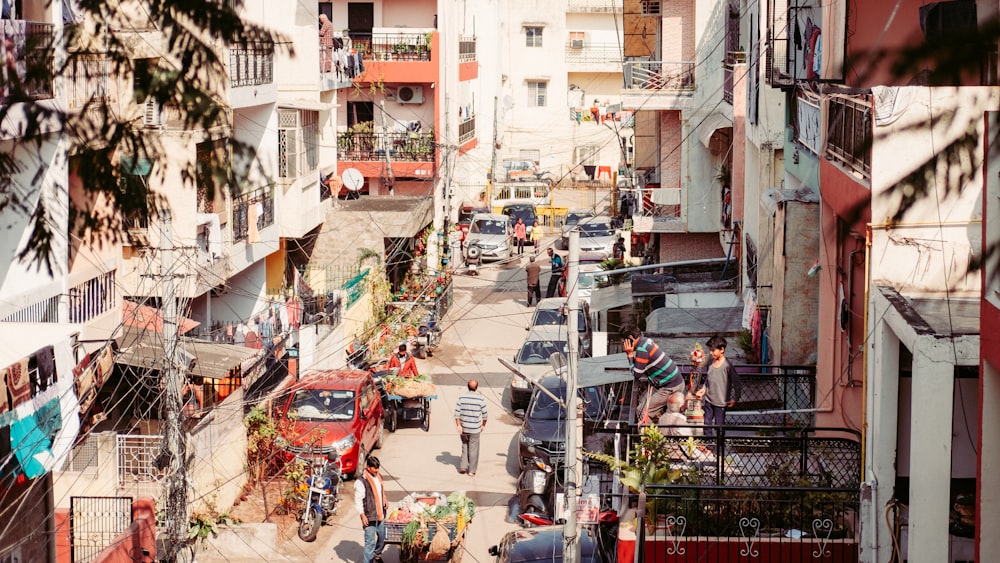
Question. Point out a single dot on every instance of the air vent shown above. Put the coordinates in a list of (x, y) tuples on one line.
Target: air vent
[(153, 114), (410, 95)]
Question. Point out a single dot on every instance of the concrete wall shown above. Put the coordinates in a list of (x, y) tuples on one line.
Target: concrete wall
[(796, 306)]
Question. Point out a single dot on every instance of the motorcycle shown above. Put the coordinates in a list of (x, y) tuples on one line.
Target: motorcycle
[(473, 258), (427, 339), (537, 487), (359, 355), (320, 495)]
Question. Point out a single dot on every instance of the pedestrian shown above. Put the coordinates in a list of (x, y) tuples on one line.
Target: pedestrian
[(325, 43), (403, 361), (557, 268), (720, 385), (520, 235), (654, 367), (618, 251), (536, 236), (371, 502), (534, 272), (470, 418)]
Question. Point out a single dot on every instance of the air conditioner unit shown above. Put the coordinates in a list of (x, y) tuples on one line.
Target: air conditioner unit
[(153, 114), (576, 44), (410, 95)]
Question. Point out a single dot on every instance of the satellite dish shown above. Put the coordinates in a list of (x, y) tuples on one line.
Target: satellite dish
[(353, 179), (508, 102)]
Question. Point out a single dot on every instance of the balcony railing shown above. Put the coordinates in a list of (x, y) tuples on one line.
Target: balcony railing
[(26, 59), (583, 52), (466, 49), (245, 208), (252, 65), (88, 80), (659, 75), (92, 298), (733, 58), (411, 147), (594, 6), (849, 135), (399, 47), (467, 130)]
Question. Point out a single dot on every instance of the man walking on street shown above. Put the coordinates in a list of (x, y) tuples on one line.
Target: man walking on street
[(470, 417), (371, 502), (534, 272), (652, 366), (557, 270)]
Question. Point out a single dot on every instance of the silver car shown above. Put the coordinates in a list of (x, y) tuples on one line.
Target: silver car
[(597, 235), (573, 217), (491, 233), (533, 360)]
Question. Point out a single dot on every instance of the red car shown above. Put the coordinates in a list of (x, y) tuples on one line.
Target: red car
[(333, 410)]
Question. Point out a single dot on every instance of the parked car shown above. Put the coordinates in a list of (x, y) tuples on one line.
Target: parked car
[(551, 311), (532, 359), (492, 233), (543, 431), (588, 262), (332, 410), (545, 544), (597, 235), (573, 216), (465, 214), (525, 211)]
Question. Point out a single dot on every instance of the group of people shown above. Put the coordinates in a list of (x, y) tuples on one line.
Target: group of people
[(718, 385), (534, 272), (520, 232)]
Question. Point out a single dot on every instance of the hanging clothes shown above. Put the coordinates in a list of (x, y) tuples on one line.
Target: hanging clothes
[(252, 234)]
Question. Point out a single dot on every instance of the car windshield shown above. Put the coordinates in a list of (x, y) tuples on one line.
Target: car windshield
[(544, 408), (574, 218), (489, 227), (527, 214), (557, 317), (535, 352), (322, 405), (466, 216), (596, 230)]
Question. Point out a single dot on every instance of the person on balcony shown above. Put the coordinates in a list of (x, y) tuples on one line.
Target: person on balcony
[(404, 362), (325, 43), (720, 385), (652, 366)]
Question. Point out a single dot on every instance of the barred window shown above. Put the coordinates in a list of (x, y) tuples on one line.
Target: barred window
[(298, 151), (536, 93)]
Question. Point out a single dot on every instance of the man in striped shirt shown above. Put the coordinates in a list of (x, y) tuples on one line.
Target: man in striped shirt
[(470, 418), (653, 366)]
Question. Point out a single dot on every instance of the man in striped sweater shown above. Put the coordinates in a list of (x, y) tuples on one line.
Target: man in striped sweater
[(652, 366), (470, 418)]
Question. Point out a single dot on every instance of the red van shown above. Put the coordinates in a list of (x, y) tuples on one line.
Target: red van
[(331, 410)]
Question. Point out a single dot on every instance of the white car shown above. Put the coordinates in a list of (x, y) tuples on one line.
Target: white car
[(551, 311), (573, 217), (597, 235), (491, 233)]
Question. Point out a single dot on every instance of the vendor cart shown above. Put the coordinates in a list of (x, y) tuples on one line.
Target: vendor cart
[(422, 522), (421, 550), (399, 408)]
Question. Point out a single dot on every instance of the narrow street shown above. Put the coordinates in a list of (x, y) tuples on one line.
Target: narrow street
[(486, 321)]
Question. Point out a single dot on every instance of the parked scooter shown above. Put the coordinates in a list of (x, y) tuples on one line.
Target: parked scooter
[(428, 337), (473, 258), (537, 487), (358, 355), (320, 495)]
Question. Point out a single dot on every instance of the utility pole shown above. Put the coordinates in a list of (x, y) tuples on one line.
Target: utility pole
[(571, 546), (491, 178), (390, 179), (173, 377)]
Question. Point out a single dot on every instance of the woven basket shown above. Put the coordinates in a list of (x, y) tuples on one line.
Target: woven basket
[(409, 388)]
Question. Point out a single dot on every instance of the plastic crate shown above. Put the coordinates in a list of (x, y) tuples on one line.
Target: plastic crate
[(394, 530)]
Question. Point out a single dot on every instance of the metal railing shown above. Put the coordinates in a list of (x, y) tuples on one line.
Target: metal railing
[(585, 52), (399, 46), (136, 459), (94, 523), (26, 57), (595, 6), (241, 211), (467, 48), (849, 134), (88, 79), (467, 130), (660, 75), (92, 297), (733, 58), (412, 147), (252, 65)]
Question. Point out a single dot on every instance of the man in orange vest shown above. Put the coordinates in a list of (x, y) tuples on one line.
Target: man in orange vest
[(372, 504), (404, 362)]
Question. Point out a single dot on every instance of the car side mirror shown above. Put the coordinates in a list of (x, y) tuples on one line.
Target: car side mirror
[(494, 550)]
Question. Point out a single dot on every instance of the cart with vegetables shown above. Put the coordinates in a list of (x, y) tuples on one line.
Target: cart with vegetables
[(430, 527), (407, 399)]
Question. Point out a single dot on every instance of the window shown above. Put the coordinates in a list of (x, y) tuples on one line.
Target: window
[(533, 36), (536, 93), (297, 142), (650, 7)]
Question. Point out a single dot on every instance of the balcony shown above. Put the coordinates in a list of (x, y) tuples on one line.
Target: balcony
[(849, 135), (587, 53), (245, 212), (26, 54), (400, 46), (594, 6), (658, 85), (369, 146), (337, 66), (467, 130), (661, 210), (733, 58), (88, 79), (251, 67)]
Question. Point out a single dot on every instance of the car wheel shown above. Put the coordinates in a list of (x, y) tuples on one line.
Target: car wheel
[(381, 437), (360, 469), (426, 422)]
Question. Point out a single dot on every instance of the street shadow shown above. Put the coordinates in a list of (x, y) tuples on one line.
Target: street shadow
[(450, 459), (349, 551)]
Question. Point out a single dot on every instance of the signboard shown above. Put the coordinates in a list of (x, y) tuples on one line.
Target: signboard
[(588, 507)]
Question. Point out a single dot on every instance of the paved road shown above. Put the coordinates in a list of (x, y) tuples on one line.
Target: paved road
[(486, 321)]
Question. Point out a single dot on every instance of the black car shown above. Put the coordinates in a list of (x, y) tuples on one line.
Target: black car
[(525, 211), (544, 543), (543, 432)]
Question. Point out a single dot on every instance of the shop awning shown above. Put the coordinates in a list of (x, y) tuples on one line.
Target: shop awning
[(148, 318), (211, 360), (309, 105), (603, 370), (394, 217)]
